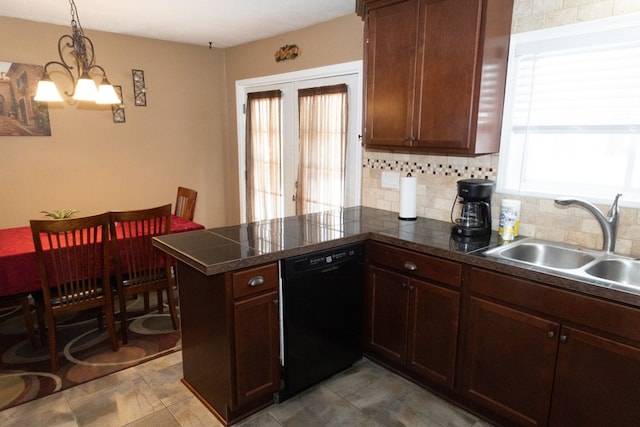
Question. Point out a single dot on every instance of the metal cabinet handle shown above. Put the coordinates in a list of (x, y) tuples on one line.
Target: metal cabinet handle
[(408, 265), (563, 338), (255, 281), (276, 301), (551, 334), (404, 285)]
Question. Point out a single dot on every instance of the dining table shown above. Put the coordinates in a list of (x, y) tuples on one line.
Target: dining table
[(19, 273)]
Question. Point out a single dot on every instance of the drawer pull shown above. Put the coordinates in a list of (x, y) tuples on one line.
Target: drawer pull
[(255, 281), (408, 265)]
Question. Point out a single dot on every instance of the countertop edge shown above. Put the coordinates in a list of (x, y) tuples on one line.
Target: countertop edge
[(474, 258)]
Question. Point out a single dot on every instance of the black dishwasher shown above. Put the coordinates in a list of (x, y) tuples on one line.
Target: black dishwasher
[(322, 303)]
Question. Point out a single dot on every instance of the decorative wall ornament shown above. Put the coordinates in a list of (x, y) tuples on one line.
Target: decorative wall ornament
[(139, 89), (20, 114), (118, 109), (289, 51)]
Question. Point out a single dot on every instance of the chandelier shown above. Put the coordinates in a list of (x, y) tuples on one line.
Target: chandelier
[(77, 59)]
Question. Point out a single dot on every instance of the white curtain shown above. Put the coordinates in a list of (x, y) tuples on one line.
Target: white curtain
[(323, 148), (263, 156)]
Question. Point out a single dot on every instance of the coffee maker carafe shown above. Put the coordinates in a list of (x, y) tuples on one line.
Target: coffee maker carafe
[(471, 210)]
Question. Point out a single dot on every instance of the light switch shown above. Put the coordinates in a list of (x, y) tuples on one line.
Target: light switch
[(390, 180)]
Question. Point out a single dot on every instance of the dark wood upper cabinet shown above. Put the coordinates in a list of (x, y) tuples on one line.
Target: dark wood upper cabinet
[(435, 74)]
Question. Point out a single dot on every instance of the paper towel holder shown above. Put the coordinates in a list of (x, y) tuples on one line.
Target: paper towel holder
[(408, 198)]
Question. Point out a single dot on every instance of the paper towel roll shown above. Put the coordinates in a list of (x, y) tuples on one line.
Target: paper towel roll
[(408, 186)]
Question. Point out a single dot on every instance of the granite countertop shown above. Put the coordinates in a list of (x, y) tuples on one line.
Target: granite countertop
[(223, 249)]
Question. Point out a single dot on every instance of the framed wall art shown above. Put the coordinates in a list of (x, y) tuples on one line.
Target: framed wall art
[(20, 115)]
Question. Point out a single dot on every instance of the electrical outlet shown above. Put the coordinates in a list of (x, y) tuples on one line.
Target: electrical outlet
[(390, 180)]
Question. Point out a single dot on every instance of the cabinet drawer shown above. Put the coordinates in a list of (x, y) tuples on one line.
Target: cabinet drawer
[(255, 280), (617, 319), (416, 264)]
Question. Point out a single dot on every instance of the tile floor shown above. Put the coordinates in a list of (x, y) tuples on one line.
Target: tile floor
[(151, 394)]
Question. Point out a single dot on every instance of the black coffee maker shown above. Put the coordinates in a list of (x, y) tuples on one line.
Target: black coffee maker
[(473, 215)]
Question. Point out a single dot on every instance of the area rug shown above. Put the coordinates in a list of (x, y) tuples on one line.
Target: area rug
[(85, 352)]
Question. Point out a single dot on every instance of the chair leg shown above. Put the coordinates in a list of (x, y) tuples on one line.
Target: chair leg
[(53, 347), (160, 302), (124, 326), (28, 320), (40, 317), (111, 328), (172, 308), (99, 319)]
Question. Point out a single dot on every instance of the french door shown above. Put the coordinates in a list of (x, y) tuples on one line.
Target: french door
[(298, 145)]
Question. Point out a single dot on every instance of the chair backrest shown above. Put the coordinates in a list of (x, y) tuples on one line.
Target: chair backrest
[(186, 203), (73, 257), (137, 260)]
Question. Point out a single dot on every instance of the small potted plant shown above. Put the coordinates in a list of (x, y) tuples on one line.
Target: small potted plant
[(60, 214)]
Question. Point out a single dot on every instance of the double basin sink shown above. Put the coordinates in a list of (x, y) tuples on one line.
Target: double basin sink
[(602, 268)]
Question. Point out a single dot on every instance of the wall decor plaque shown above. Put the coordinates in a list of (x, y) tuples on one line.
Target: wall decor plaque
[(118, 109), (139, 89)]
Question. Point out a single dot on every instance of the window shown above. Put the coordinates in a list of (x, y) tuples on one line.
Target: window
[(572, 112)]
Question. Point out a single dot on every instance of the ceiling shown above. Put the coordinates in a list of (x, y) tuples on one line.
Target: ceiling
[(224, 23)]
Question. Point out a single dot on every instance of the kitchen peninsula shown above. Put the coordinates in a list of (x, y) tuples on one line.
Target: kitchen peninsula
[(560, 339)]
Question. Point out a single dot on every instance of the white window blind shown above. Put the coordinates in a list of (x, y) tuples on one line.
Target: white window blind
[(572, 112)]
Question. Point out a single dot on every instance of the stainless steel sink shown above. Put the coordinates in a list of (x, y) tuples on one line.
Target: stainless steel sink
[(597, 267), (543, 254), (623, 271), (547, 255)]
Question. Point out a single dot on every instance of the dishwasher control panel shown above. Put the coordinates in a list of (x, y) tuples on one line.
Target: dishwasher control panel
[(322, 259)]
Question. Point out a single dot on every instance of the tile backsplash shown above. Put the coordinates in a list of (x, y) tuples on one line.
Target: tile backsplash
[(436, 193), (437, 175)]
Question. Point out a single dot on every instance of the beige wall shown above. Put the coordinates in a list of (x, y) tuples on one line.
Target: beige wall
[(92, 164), (333, 42), (187, 133), (437, 175)]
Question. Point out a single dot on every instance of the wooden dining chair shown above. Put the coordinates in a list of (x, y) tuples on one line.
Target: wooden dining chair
[(186, 203), (73, 258), (140, 267)]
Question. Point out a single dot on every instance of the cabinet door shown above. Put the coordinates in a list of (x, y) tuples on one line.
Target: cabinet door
[(390, 46), (257, 348), (387, 307), (510, 358), (433, 331), (448, 44), (597, 382)]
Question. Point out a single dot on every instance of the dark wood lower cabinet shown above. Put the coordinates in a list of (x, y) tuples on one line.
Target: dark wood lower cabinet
[(509, 362), (537, 355), (256, 343), (523, 354), (597, 382), (413, 324), (387, 318), (230, 338), (433, 332)]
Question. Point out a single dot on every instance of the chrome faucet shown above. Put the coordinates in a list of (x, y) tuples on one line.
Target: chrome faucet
[(608, 223)]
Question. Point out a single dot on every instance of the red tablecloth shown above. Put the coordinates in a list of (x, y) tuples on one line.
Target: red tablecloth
[(18, 263)]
